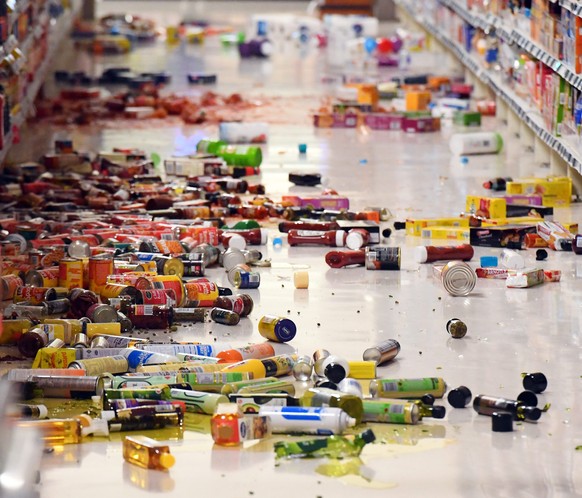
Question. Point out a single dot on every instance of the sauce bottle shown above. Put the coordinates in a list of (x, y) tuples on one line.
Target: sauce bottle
[(428, 254), (339, 259), (320, 226), (254, 236), (333, 238)]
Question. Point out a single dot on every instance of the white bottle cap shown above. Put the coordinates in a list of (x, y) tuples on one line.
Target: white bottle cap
[(237, 241), (421, 254), (264, 235), (354, 241), (340, 238), (42, 411), (350, 421)]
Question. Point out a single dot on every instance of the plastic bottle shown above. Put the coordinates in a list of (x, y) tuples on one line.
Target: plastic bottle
[(234, 155), (333, 238), (307, 420), (253, 236), (56, 432), (318, 396), (147, 453), (340, 259), (357, 238), (137, 357), (476, 143), (429, 254), (407, 388), (307, 226), (256, 351), (497, 184), (511, 260)]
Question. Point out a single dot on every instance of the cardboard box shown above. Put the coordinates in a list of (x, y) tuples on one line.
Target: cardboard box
[(500, 236), (415, 227), (467, 118), (523, 200), (486, 207), (318, 202), (417, 101), (555, 191), (446, 233), (421, 125), (518, 210)]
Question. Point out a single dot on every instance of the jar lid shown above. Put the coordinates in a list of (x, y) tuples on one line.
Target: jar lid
[(536, 382), (459, 397), (502, 422)]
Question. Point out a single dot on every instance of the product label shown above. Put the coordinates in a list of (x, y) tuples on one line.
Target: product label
[(309, 233), (390, 413), (426, 385)]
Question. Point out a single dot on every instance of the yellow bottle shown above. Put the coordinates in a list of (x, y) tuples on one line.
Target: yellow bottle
[(56, 432), (253, 366), (147, 453)]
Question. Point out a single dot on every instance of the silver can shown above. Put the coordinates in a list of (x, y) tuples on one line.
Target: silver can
[(99, 366), (457, 277)]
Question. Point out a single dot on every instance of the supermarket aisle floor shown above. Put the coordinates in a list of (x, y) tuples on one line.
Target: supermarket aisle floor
[(510, 330)]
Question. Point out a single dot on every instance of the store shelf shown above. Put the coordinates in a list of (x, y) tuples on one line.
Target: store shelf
[(57, 32), (574, 7), (527, 113)]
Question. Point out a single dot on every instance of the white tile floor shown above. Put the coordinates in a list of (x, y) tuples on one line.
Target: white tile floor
[(510, 330)]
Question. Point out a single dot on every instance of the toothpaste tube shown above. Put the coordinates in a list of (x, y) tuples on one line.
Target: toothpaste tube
[(497, 273), (556, 235)]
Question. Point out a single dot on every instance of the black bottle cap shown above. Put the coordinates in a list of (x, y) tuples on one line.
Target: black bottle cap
[(532, 413), (541, 254), (459, 397), (566, 245), (428, 399), (335, 372), (224, 291), (386, 232), (368, 436), (535, 382), (502, 422), (439, 411), (328, 384), (399, 225), (528, 398)]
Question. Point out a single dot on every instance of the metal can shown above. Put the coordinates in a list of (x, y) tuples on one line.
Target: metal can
[(112, 291), (232, 257), (102, 313), (135, 279), (57, 306), (382, 258), (457, 277), (171, 282), (158, 296), (170, 266), (172, 247), (201, 293), (80, 340), (9, 285), (48, 277), (99, 342), (71, 273), (242, 277), (99, 270), (33, 295), (98, 366), (193, 269), (61, 386)]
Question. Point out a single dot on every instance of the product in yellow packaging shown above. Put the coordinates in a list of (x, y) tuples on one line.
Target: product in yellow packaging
[(446, 233), (417, 101), (571, 227), (486, 207), (518, 220), (54, 357), (555, 191), (415, 227)]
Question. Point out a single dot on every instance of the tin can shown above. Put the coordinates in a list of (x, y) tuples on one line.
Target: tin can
[(158, 296), (9, 285), (99, 270), (61, 386), (170, 247), (171, 282), (56, 344), (79, 249), (48, 277), (33, 295), (382, 258), (57, 306), (138, 279), (242, 277), (80, 340), (112, 291), (99, 342), (201, 293), (193, 269), (277, 329), (99, 366), (457, 277), (34, 258), (170, 266), (71, 273), (102, 313)]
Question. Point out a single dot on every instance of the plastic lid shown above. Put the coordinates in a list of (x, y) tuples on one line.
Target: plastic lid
[(428, 399), (340, 238), (421, 254), (541, 254), (398, 225), (350, 421), (489, 261), (368, 436), (335, 372), (501, 422), (42, 411), (237, 241), (264, 235), (386, 232), (459, 397), (167, 460), (439, 411), (354, 240), (536, 382), (532, 413), (528, 398)]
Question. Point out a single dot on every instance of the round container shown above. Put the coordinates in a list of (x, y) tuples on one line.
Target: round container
[(48, 277), (459, 397), (99, 366), (80, 341), (382, 258), (226, 317), (172, 282), (102, 313), (242, 277), (501, 422), (303, 368), (383, 352), (456, 328), (458, 278), (277, 329), (193, 268), (201, 293), (231, 303), (158, 296), (232, 257), (99, 342), (10, 283), (71, 273), (99, 270), (536, 382)]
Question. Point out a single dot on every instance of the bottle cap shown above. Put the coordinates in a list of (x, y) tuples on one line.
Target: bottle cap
[(42, 411), (340, 238), (532, 413), (528, 398), (536, 382), (368, 436), (487, 185), (277, 241), (386, 233), (335, 372), (354, 241), (541, 254), (501, 422), (237, 241), (226, 409), (167, 460), (421, 254), (459, 397), (489, 261), (264, 235), (301, 279), (350, 421), (439, 411), (399, 225), (428, 399)]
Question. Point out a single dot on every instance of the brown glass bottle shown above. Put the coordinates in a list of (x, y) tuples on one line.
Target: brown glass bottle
[(151, 316), (226, 317)]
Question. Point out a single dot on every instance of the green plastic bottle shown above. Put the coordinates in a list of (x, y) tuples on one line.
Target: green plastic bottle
[(319, 396), (332, 446), (234, 155)]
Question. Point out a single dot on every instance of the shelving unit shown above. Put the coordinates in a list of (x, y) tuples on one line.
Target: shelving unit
[(57, 30), (560, 152)]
